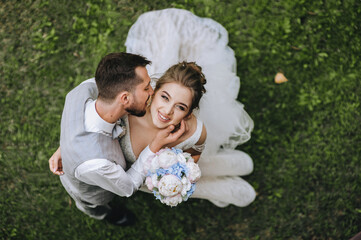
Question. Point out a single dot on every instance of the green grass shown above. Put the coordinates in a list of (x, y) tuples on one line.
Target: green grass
[(305, 145)]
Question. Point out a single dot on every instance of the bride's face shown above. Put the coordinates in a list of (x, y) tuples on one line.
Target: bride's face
[(170, 104)]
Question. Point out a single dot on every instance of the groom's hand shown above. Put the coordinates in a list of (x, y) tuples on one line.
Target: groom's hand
[(167, 136), (55, 163)]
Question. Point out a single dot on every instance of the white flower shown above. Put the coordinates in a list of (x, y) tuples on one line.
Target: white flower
[(188, 156), (167, 158), (194, 171), (169, 185), (148, 183), (154, 165), (181, 158), (155, 180), (172, 201), (186, 186)]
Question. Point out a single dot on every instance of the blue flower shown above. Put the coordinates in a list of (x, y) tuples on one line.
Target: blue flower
[(177, 150), (157, 195), (161, 172), (178, 170), (149, 173), (190, 192)]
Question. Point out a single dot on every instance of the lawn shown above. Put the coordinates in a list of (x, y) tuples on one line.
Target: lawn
[(306, 144)]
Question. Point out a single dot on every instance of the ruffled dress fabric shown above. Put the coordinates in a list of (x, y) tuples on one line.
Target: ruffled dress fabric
[(169, 36)]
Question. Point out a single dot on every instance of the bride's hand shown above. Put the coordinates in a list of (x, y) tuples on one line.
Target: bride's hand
[(55, 163), (167, 136)]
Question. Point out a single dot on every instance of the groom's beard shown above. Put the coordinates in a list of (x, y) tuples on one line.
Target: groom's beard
[(136, 111), (132, 110)]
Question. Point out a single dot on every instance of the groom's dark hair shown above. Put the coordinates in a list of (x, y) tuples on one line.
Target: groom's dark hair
[(116, 73)]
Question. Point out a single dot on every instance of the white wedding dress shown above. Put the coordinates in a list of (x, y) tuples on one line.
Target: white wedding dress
[(169, 36)]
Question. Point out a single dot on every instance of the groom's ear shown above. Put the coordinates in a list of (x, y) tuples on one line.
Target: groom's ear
[(124, 98)]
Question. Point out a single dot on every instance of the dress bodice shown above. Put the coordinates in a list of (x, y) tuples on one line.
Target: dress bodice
[(126, 144)]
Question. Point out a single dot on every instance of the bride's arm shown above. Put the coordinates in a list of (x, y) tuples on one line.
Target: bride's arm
[(196, 150)]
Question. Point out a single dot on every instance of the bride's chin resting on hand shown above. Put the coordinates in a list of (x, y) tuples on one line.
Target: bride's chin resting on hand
[(166, 136)]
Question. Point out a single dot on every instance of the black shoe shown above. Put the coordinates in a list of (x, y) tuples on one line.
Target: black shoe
[(121, 217)]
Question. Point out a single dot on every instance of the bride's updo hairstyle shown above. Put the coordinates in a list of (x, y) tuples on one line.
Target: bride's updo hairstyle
[(188, 74)]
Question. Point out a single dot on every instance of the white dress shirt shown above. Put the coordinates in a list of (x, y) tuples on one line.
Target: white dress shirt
[(104, 173)]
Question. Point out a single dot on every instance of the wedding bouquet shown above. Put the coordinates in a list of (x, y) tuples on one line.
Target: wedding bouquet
[(172, 175)]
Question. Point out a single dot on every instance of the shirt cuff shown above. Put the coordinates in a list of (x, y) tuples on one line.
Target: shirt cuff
[(146, 153)]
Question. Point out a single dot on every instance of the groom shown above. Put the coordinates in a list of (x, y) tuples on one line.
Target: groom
[(93, 162)]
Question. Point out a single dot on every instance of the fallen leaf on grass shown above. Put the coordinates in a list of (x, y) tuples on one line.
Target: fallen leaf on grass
[(280, 78)]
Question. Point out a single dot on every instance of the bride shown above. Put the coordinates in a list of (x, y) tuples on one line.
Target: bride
[(170, 36)]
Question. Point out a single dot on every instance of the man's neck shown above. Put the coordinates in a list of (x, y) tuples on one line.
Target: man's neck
[(109, 112)]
